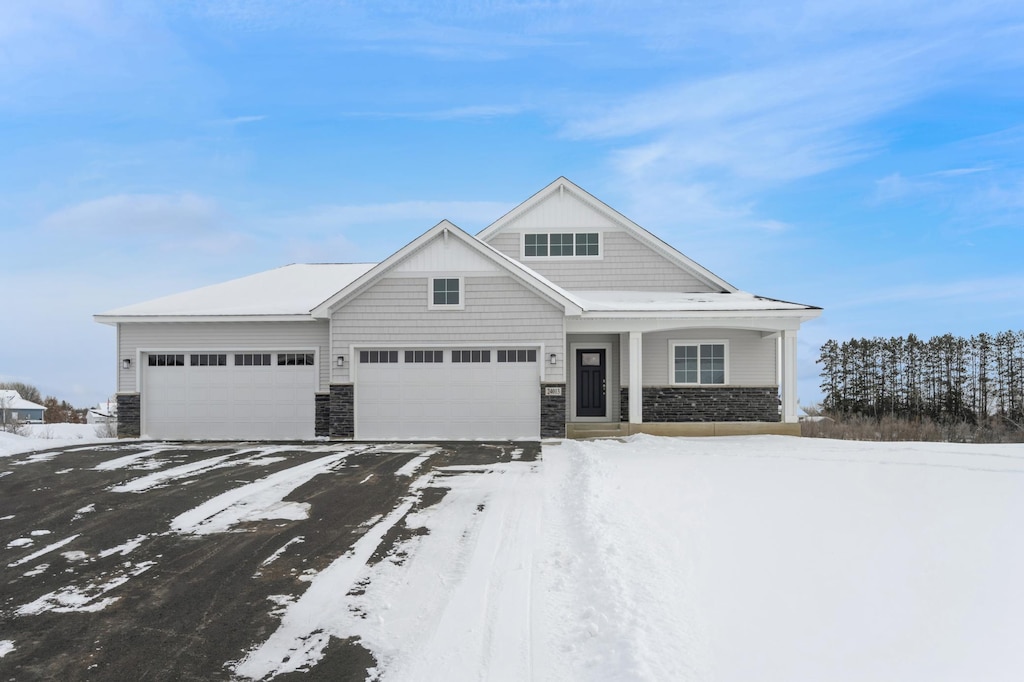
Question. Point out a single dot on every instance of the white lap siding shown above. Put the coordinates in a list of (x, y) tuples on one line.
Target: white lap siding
[(499, 311), (219, 336)]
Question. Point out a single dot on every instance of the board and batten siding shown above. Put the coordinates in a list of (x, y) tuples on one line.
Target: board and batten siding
[(752, 359), (627, 265), (222, 337), (498, 311)]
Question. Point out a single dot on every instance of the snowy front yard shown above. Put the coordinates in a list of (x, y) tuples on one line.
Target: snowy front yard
[(757, 558), (747, 558)]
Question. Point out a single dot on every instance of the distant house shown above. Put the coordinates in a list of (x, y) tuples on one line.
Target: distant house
[(104, 413), (15, 409), (562, 318)]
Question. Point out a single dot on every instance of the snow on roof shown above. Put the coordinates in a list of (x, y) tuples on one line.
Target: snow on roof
[(11, 399), (290, 290), (669, 301)]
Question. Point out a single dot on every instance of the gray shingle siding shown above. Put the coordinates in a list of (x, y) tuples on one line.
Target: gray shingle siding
[(627, 264), (498, 310)]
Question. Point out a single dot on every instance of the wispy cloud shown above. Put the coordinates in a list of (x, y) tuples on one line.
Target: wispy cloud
[(136, 215), (984, 290), (476, 111), (237, 120)]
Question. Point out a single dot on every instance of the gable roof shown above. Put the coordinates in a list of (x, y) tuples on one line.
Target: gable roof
[(563, 184), (11, 399), (284, 293), (443, 230)]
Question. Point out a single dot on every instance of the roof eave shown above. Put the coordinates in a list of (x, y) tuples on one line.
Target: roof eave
[(120, 319)]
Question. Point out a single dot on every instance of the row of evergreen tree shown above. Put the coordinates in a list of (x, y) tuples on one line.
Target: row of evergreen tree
[(947, 378)]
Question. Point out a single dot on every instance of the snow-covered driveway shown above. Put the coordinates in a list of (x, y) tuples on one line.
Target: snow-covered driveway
[(766, 558)]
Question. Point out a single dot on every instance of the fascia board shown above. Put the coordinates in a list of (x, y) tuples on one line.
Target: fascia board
[(804, 315), (122, 319)]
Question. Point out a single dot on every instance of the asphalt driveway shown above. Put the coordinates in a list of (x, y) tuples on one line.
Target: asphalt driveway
[(159, 561)]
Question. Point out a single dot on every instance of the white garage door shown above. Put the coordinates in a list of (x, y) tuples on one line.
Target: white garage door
[(422, 394), (237, 396)]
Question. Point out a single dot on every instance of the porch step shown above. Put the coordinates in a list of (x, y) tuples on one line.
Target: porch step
[(578, 430)]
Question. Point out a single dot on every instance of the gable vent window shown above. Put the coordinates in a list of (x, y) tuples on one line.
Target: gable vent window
[(252, 360), (418, 356), (294, 359), (471, 356), (166, 360), (208, 360), (446, 291), (519, 355), (562, 245), (377, 356)]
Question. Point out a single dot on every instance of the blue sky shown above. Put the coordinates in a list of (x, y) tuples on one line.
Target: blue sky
[(865, 157)]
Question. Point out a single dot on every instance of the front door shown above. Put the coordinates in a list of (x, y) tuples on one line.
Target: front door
[(591, 383)]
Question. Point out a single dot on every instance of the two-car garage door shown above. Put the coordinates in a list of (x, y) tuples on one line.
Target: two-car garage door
[(449, 394), (247, 395), (400, 394)]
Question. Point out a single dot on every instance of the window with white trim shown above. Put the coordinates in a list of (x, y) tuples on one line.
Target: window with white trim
[(446, 292), (561, 244), (698, 362)]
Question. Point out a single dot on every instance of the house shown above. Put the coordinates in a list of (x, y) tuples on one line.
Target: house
[(103, 413), (16, 410), (563, 318)]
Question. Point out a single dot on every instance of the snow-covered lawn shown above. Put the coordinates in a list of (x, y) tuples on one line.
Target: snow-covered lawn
[(653, 559), (748, 558), (46, 436)]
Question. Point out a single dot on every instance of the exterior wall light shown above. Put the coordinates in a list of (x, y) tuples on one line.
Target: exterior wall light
[(126, 363), (341, 361), (553, 359)]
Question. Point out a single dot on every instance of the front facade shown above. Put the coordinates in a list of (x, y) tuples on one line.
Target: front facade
[(561, 318)]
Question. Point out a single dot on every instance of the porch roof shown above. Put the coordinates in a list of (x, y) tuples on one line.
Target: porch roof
[(672, 301)]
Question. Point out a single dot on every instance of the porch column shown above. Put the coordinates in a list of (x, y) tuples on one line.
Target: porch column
[(636, 387), (787, 380)]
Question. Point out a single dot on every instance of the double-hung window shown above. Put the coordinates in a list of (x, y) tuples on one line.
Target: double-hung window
[(698, 362)]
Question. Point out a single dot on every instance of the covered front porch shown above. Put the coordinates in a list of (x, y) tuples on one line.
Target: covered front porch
[(699, 376)]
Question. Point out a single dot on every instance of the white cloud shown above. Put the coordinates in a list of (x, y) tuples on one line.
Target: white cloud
[(137, 215)]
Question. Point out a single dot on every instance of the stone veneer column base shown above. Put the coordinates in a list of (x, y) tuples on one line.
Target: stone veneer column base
[(342, 411), (322, 415), (552, 411), (129, 415)]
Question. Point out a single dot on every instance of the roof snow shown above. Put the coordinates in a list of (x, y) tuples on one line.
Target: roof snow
[(289, 290), (12, 400), (668, 301)]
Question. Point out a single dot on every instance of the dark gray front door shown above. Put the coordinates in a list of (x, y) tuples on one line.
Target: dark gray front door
[(590, 382)]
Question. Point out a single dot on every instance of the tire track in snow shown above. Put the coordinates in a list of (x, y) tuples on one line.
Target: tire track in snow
[(307, 625)]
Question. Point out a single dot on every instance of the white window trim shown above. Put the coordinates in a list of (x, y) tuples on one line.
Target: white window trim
[(550, 231), (673, 343), (430, 293)]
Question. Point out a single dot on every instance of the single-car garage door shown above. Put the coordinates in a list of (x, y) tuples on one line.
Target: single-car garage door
[(451, 394), (238, 396)]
